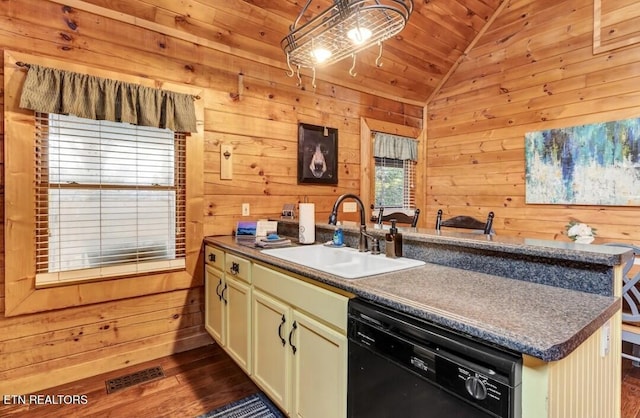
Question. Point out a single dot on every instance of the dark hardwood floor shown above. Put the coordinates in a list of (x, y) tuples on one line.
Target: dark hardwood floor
[(630, 390), (196, 382)]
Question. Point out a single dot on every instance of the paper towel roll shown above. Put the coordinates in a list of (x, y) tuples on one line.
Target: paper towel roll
[(307, 223)]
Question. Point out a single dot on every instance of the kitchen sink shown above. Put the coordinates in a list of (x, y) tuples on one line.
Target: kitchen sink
[(344, 262)]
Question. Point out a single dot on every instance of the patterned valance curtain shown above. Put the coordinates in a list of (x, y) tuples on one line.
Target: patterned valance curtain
[(395, 146), (50, 90)]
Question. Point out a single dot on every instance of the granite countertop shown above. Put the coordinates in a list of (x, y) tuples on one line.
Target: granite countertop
[(542, 321)]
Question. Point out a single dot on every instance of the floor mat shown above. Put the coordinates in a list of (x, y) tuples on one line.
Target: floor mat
[(253, 406)]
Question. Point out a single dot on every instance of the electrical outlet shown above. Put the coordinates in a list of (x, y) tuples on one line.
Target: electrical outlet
[(245, 209), (605, 340)]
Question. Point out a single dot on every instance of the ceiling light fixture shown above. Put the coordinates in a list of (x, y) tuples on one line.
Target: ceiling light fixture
[(344, 29), (359, 35)]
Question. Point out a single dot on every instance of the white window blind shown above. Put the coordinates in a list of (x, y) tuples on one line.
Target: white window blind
[(394, 183), (110, 199)]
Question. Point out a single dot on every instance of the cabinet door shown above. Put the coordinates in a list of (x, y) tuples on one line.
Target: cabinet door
[(237, 300), (271, 350), (319, 369), (213, 306)]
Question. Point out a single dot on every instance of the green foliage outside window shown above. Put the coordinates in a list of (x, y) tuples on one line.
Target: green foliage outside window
[(389, 183)]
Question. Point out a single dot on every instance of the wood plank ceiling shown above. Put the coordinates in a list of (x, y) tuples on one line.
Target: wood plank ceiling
[(415, 62)]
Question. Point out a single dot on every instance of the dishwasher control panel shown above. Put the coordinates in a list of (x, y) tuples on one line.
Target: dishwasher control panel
[(478, 387)]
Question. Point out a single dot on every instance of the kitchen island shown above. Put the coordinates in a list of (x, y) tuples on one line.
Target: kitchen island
[(561, 331)]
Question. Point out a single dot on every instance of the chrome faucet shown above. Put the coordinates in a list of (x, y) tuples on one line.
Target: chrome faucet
[(363, 244)]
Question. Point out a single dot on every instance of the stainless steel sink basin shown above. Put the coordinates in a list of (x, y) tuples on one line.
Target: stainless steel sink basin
[(344, 262)]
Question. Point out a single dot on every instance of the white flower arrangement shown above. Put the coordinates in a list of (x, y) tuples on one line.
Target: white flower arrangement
[(580, 233)]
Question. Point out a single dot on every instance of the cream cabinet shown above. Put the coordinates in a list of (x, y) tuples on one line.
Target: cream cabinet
[(213, 283), (319, 380), (299, 344), (213, 305), (237, 300), (228, 304), (271, 352)]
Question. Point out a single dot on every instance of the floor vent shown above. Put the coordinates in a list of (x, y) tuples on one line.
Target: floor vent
[(133, 379)]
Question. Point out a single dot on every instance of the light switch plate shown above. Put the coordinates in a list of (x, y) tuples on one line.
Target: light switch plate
[(349, 207)]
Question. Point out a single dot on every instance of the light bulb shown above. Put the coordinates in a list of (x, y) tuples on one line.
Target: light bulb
[(320, 54), (359, 35)]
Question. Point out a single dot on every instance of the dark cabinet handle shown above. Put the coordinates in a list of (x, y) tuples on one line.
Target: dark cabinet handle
[(293, 328), (235, 268), (212, 257), (280, 330), (218, 289), (222, 293)]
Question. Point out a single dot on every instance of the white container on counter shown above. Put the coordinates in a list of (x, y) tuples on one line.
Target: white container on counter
[(307, 224)]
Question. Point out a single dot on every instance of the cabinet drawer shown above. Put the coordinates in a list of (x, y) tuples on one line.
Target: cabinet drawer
[(214, 257), (321, 303), (238, 267)]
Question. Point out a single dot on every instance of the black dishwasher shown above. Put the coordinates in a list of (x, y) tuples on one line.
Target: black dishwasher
[(402, 366)]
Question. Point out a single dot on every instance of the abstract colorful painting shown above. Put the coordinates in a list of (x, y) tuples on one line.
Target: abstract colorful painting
[(597, 164)]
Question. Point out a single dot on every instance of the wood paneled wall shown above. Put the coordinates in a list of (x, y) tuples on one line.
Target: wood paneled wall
[(259, 115), (533, 69), (249, 105)]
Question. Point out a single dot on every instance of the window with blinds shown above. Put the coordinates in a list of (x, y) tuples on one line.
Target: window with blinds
[(110, 199), (394, 183)]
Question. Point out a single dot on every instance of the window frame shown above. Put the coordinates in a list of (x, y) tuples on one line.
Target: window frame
[(21, 295)]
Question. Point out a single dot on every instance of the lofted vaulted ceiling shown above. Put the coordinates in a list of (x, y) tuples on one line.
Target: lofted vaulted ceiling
[(415, 62)]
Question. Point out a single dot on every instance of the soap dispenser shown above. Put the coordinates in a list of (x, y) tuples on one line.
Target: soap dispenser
[(393, 241), (338, 236)]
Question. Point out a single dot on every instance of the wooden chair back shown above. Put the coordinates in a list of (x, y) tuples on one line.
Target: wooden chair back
[(466, 222), (400, 217), (631, 307)]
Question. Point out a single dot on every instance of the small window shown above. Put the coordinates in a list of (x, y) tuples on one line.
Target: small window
[(394, 183), (110, 199)]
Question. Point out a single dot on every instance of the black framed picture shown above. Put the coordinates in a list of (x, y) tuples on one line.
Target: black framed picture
[(317, 154)]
